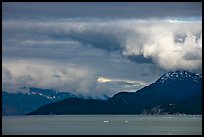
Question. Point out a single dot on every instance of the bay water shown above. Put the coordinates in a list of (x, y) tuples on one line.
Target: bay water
[(102, 125)]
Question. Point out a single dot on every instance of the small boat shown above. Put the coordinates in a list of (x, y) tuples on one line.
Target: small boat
[(105, 121)]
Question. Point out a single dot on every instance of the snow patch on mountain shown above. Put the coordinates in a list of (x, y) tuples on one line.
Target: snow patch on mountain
[(181, 75), (49, 94)]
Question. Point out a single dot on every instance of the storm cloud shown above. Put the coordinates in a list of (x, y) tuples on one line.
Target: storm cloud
[(70, 52), (145, 39), (139, 10)]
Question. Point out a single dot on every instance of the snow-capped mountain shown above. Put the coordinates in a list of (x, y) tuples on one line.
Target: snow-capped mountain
[(179, 75), (21, 103), (171, 93), (179, 84)]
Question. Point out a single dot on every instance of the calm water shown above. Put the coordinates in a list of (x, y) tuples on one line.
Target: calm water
[(102, 124)]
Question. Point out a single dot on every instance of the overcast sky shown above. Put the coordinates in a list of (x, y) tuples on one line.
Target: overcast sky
[(97, 49)]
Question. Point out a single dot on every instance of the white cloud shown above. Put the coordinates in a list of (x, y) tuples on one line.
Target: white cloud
[(131, 82), (153, 39), (121, 84), (33, 73), (157, 41)]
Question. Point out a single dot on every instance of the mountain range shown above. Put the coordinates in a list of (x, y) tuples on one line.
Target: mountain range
[(22, 103), (175, 92)]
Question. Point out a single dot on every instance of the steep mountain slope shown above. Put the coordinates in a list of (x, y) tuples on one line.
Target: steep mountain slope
[(73, 106), (169, 88)]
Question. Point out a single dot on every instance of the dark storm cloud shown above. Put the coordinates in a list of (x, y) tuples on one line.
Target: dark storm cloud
[(139, 59), (57, 76), (193, 56), (97, 39), (102, 9)]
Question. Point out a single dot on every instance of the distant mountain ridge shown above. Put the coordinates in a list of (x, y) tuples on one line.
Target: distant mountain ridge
[(22, 103), (175, 92)]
